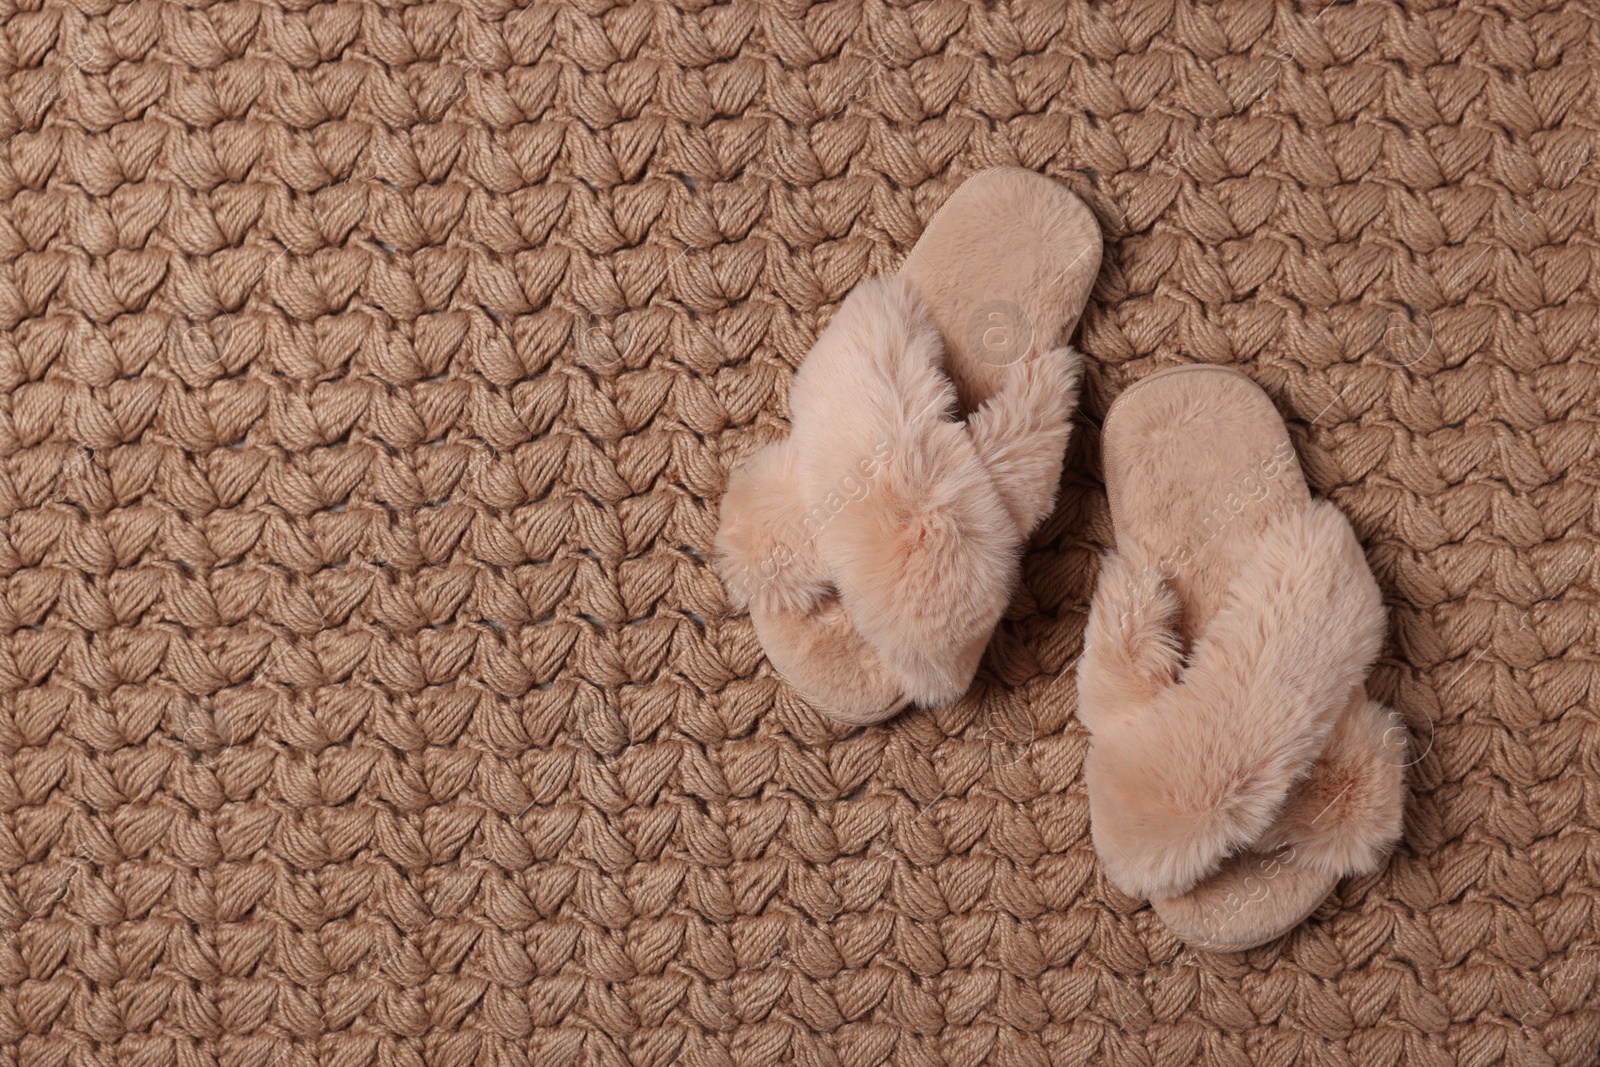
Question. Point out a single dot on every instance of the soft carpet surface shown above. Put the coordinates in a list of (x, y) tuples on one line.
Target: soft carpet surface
[(371, 375)]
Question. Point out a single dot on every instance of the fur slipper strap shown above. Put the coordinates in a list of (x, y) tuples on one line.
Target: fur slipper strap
[(924, 545), (1191, 760)]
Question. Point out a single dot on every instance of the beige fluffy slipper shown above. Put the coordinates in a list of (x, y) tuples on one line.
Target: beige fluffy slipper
[(877, 547), (1236, 767)]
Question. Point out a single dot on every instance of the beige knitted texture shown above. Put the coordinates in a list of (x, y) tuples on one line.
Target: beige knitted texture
[(371, 374)]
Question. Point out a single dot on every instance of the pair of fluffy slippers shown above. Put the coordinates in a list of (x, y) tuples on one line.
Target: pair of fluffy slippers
[(1236, 768)]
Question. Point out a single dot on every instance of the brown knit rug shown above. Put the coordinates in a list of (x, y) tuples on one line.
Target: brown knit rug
[(371, 375)]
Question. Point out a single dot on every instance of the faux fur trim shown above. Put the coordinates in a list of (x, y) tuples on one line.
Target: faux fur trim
[(766, 545), (1346, 815), (1021, 432), (914, 519), (1185, 770), (926, 562)]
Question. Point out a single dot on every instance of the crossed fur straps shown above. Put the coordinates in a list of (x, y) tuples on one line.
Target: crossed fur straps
[(1261, 736), (877, 548)]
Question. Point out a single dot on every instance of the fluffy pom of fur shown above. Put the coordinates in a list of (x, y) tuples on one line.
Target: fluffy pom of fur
[(1346, 815), (1182, 779), (766, 550), (1131, 646)]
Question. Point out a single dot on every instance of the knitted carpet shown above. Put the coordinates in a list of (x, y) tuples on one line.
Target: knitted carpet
[(371, 375)]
